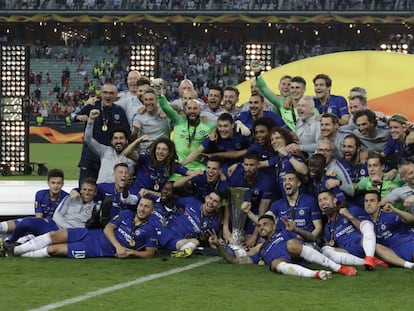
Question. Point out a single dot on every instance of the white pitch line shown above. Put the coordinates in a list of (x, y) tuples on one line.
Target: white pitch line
[(113, 288)]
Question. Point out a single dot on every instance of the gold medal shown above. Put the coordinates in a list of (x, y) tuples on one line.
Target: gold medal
[(156, 187), (261, 262), (132, 242), (104, 128), (332, 242), (164, 222), (189, 145)]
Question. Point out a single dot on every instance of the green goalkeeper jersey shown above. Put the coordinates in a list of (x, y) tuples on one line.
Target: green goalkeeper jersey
[(187, 138)]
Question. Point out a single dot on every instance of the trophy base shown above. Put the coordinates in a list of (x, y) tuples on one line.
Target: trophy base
[(236, 250), (237, 237)]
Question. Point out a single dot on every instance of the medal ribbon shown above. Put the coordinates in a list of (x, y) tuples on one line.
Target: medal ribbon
[(192, 136), (105, 119), (332, 229), (292, 211)]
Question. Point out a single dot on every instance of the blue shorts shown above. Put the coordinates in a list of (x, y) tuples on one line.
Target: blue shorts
[(275, 252), (168, 239), (405, 250), (85, 243), (355, 249), (33, 225)]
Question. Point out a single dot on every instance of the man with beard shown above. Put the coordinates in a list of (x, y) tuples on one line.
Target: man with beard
[(109, 155), (325, 102), (279, 252), (189, 130), (228, 139), (349, 238), (392, 227), (230, 100), (298, 211), (127, 235), (259, 194), (257, 110), (354, 159), (109, 117), (150, 122), (330, 130), (211, 179), (213, 109), (372, 138), (189, 228)]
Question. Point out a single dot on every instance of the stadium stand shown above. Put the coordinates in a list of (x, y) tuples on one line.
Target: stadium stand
[(210, 5)]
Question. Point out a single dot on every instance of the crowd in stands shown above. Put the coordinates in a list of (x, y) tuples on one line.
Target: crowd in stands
[(61, 96), (200, 5), (211, 62), (206, 62)]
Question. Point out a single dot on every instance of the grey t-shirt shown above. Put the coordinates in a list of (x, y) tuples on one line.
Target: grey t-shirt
[(154, 126)]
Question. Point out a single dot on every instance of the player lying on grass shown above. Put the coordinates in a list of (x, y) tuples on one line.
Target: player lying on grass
[(280, 250), (127, 235)]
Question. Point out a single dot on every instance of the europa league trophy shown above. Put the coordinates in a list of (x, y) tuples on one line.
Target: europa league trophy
[(238, 217)]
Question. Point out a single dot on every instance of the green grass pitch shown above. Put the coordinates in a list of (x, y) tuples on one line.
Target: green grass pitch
[(32, 283), (63, 156)]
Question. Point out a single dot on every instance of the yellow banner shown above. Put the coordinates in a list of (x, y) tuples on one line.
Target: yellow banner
[(387, 77)]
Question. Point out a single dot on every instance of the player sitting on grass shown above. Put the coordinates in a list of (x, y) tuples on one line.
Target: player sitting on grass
[(188, 229), (393, 228), (126, 235), (349, 238), (46, 201), (72, 212), (280, 250)]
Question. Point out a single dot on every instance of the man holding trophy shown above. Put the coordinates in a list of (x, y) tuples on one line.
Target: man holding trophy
[(298, 211), (257, 190)]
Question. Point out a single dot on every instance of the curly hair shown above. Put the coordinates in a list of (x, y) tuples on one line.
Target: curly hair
[(286, 135), (172, 155)]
